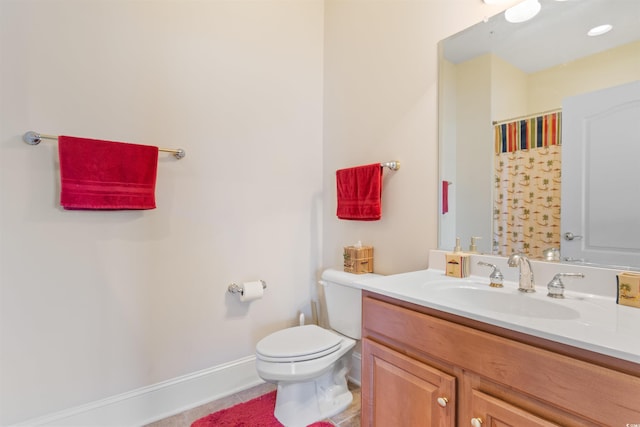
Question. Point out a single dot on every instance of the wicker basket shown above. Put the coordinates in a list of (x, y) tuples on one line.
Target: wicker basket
[(358, 260)]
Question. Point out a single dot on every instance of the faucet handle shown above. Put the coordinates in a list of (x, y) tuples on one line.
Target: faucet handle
[(496, 278), (556, 287)]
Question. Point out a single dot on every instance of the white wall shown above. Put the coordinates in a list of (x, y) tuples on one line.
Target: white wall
[(257, 92), (380, 103), (98, 303)]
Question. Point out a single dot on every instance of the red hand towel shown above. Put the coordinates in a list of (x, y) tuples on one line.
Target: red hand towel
[(445, 197), (98, 174), (360, 192)]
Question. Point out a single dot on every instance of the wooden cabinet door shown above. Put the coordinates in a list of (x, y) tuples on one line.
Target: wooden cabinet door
[(491, 412), (400, 391)]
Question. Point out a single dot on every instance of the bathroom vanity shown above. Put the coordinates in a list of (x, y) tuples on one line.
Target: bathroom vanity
[(429, 362)]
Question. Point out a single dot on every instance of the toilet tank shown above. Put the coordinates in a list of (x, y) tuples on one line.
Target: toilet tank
[(344, 301)]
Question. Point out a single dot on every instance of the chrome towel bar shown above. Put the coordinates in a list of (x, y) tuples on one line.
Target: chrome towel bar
[(34, 138)]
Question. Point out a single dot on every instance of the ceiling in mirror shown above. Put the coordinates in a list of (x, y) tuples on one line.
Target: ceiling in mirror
[(534, 46)]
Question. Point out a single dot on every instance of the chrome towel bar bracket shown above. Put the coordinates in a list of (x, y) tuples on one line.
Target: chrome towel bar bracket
[(34, 138), (394, 165)]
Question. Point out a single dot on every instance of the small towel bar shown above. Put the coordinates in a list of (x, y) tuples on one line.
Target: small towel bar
[(34, 138)]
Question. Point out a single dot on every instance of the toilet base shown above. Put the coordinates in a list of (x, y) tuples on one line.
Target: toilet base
[(299, 404)]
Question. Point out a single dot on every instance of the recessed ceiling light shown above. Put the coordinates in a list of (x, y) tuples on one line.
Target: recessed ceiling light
[(599, 30), (522, 11), (496, 1)]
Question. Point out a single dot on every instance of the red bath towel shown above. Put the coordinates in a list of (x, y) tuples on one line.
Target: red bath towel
[(360, 192), (106, 175)]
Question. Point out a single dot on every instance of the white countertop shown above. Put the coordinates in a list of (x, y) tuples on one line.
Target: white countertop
[(588, 321)]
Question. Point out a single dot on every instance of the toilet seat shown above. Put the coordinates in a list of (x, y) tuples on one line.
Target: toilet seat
[(298, 344)]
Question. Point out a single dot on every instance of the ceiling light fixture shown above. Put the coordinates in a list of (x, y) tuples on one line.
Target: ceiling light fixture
[(599, 30), (522, 11)]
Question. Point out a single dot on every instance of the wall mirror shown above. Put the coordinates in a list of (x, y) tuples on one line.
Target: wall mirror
[(496, 74)]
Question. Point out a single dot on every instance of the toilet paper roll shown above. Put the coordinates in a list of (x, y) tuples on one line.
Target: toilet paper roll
[(252, 291)]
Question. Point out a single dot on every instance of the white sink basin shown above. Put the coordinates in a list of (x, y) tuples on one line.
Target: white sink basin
[(505, 301)]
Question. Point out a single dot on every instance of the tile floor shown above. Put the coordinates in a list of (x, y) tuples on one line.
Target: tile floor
[(348, 418)]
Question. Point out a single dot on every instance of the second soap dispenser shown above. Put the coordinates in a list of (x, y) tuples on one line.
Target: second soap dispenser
[(473, 248)]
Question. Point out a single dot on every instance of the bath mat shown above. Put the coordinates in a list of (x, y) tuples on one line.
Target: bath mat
[(254, 413)]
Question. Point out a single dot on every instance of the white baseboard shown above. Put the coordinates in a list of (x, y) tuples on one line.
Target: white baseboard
[(158, 401)]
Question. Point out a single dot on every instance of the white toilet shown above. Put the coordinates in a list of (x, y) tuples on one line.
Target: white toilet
[(310, 364)]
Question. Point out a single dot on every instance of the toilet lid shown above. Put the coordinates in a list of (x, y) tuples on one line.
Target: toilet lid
[(297, 344)]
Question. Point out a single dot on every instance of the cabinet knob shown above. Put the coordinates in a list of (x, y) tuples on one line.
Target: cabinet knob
[(476, 422), (442, 401)]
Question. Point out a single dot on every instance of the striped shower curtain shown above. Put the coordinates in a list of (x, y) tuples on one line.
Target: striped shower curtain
[(526, 200)]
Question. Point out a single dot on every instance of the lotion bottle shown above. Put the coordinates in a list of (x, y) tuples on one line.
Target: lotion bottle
[(473, 248)]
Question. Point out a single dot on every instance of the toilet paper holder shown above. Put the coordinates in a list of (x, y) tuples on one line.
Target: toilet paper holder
[(234, 288)]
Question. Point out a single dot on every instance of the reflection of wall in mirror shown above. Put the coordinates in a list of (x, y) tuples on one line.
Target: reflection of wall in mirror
[(516, 93), (472, 182), (447, 152), (614, 67)]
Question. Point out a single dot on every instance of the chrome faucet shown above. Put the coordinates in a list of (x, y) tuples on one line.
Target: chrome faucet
[(556, 287), (496, 277), (526, 283)]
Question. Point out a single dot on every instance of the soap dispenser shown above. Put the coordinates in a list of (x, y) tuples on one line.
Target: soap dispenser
[(457, 249), (473, 248), (458, 262)]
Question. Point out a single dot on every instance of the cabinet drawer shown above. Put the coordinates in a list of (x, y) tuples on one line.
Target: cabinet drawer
[(496, 412), (594, 392)]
